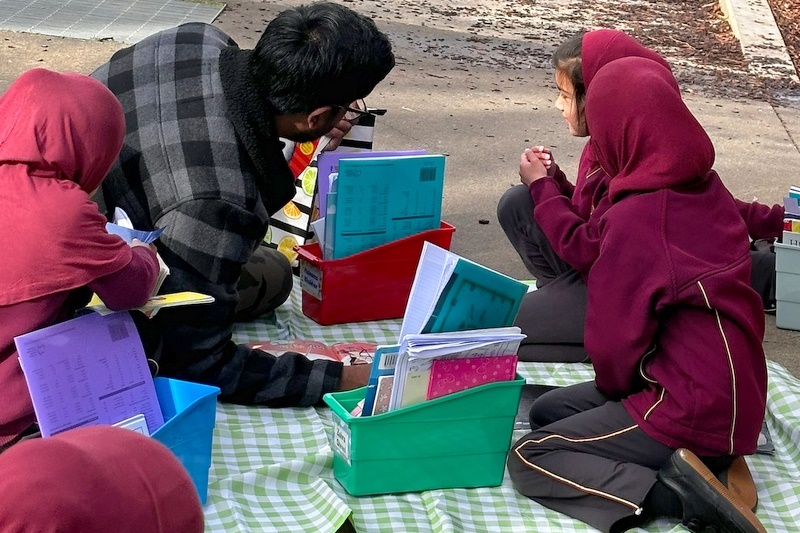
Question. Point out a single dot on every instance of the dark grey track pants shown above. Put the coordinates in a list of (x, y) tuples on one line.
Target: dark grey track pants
[(552, 317), (587, 459), (264, 284)]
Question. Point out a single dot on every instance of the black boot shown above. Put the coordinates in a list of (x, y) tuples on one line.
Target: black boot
[(708, 506)]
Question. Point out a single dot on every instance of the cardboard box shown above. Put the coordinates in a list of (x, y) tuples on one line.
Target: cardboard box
[(370, 285), (458, 440)]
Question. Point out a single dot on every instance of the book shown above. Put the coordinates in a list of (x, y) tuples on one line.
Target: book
[(765, 445), (122, 226), (450, 293), (328, 164), (135, 423), (87, 371), (291, 225), (418, 353), (380, 380), (349, 353), (454, 375), (154, 303), (377, 200)]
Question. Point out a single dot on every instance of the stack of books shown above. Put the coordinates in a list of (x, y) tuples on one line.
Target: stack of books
[(456, 334)]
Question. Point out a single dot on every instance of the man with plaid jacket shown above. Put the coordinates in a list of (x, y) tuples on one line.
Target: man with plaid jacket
[(202, 158)]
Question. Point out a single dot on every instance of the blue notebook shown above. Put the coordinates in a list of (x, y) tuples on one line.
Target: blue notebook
[(378, 200)]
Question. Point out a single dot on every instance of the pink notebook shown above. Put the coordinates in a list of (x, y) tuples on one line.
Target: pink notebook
[(454, 375)]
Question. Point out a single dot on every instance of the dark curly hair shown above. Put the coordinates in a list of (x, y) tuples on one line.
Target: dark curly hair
[(319, 54)]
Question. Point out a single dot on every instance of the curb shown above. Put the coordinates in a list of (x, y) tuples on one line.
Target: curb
[(754, 25)]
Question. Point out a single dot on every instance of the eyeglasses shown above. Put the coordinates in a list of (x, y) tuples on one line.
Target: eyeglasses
[(352, 114)]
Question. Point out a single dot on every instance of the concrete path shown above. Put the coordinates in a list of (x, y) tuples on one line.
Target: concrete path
[(481, 92)]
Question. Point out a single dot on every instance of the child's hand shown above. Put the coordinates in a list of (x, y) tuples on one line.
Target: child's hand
[(137, 242), (530, 167), (546, 157)]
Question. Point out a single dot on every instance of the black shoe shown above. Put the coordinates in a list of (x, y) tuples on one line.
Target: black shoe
[(707, 505)]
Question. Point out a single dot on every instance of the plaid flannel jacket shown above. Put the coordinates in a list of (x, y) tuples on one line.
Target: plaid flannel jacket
[(184, 166)]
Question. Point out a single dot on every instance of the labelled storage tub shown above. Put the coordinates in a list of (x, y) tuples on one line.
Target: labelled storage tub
[(456, 441)]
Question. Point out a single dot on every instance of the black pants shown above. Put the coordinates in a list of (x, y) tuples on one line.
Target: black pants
[(551, 317), (587, 458), (265, 283)]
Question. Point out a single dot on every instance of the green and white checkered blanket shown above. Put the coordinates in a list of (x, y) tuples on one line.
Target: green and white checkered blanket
[(271, 468)]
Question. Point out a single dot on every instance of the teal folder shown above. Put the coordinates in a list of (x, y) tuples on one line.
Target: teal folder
[(451, 293), (475, 297), (379, 200)]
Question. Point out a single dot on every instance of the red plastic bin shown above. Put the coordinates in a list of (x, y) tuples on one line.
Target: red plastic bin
[(370, 285)]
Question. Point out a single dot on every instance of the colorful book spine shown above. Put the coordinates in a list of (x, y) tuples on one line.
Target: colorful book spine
[(379, 385)]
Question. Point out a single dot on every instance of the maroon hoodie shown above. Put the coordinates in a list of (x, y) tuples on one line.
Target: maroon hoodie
[(672, 326), (564, 220), (568, 215)]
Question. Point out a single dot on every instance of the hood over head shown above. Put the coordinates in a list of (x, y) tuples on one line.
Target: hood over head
[(59, 136), (600, 47), (643, 135), (96, 479), (63, 126)]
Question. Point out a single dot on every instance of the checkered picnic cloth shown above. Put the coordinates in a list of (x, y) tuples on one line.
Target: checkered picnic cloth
[(271, 468)]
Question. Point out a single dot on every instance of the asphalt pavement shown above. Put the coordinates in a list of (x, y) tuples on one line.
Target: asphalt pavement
[(481, 100)]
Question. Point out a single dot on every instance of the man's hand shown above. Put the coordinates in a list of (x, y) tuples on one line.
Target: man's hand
[(337, 133), (531, 167), (354, 376)]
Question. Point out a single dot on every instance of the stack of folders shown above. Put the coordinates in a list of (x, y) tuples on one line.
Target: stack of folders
[(791, 221), (457, 334), (369, 199)]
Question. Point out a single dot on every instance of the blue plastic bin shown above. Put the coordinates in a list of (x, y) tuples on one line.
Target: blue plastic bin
[(189, 411)]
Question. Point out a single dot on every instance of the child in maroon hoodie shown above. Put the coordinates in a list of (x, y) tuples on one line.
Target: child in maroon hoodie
[(673, 328), (557, 240), (59, 135)]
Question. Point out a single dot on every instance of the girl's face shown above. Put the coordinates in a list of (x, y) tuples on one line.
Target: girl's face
[(568, 106)]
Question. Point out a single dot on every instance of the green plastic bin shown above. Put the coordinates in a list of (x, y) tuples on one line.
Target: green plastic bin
[(458, 440)]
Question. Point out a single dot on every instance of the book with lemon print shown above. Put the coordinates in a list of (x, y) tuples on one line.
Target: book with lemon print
[(291, 225)]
